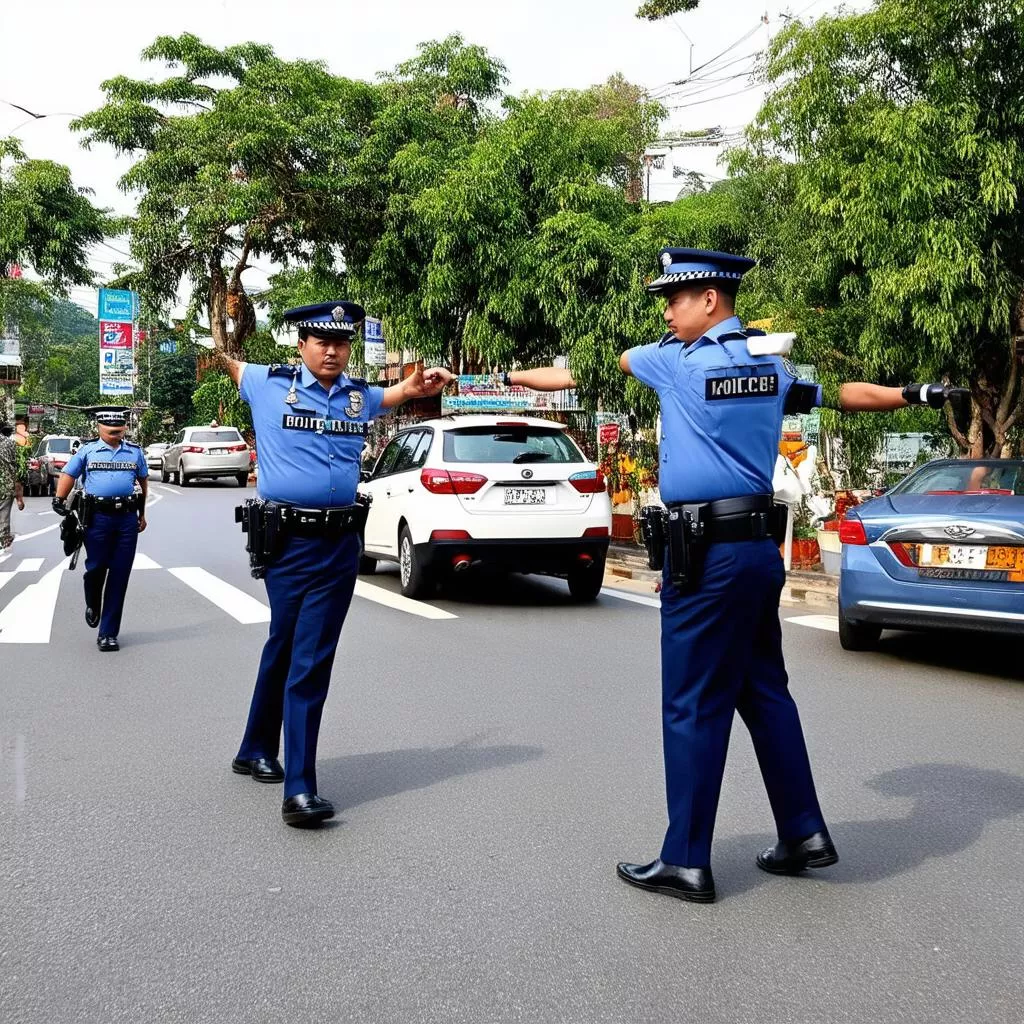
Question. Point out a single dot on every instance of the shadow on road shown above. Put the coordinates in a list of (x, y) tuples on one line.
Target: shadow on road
[(952, 805), (983, 654), (361, 778)]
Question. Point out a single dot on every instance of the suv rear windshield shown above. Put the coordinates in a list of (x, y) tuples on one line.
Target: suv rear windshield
[(509, 444), (58, 444), (206, 436), (1005, 477)]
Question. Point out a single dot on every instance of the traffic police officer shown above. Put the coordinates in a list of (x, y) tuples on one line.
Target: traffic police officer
[(311, 422), (721, 639), (113, 517)]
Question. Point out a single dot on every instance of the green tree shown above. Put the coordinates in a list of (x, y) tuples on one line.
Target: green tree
[(903, 129), (46, 223), (655, 10), (239, 156)]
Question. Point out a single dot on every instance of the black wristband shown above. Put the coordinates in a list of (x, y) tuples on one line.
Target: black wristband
[(506, 378), (916, 394)]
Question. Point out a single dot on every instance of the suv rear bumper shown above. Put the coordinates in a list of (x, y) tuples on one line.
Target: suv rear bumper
[(552, 556)]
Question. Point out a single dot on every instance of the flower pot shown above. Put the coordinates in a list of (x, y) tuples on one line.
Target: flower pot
[(805, 553), (622, 526), (831, 550)]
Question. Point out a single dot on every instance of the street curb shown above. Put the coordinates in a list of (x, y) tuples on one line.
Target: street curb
[(625, 570)]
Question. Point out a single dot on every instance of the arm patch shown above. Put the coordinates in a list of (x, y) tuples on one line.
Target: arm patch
[(801, 397)]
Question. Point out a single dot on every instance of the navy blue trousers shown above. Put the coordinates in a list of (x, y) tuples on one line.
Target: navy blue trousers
[(721, 651), (110, 544), (310, 588)]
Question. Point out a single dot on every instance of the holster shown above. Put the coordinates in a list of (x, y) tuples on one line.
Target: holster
[(260, 523), (688, 538), (72, 528), (777, 519), (652, 529)]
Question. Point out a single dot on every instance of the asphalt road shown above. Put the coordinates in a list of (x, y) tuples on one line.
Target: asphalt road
[(489, 769)]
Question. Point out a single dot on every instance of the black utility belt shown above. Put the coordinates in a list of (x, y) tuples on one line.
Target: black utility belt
[(684, 530), (129, 503), (266, 523), (316, 522)]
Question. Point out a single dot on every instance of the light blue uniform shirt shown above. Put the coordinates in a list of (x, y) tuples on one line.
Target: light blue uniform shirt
[(308, 453), (721, 412), (110, 472)]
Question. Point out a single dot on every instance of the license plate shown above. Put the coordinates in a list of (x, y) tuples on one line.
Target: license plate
[(526, 495), (981, 558), (218, 451)]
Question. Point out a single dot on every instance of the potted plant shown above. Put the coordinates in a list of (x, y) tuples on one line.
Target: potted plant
[(806, 552)]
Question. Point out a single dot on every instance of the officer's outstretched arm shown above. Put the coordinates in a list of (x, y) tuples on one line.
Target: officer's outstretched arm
[(232, 367), (541, 378), (859, 396), (421, 384)]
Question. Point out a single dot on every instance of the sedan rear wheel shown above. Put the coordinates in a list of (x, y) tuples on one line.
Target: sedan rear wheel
[(183, 481), (415, 577), (164, 475), (857, 636)]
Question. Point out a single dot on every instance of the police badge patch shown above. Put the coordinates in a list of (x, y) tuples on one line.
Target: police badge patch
[(790, 368), (355, 404)]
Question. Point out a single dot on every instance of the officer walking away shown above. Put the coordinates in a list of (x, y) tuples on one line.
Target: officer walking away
[(11, 489), (721, 639), (113, 516), (311, 422)]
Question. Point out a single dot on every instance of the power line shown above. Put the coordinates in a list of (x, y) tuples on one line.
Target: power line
[(713, 99)]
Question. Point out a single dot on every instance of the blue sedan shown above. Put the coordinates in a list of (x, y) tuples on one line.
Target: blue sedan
[(943, 549)]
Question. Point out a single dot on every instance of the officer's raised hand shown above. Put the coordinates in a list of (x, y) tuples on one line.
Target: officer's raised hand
[(426, 383)]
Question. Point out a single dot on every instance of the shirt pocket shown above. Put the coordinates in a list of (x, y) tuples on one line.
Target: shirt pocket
[(735, 397)]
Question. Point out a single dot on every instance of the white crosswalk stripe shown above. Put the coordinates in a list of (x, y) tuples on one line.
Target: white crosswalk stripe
[(28, 618), (143, 562), (829, 623), (237, 603), (403, 604)]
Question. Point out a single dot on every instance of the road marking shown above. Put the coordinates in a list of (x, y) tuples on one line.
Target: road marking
[(3, 558), (403, 604), (48, 512), (237, 603), (622, 595), (143, 562), (29, 617), (5, 578), (30, 565), (161, 490), (29, 536), (829, 623)]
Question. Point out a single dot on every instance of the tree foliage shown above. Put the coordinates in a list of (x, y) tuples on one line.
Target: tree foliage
[(239, 156), (903, 134), (46, 223), (655, 10)]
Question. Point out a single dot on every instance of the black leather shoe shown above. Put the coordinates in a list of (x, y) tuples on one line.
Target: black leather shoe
[(107, 644), (92, 617), (792, 857), (262, 769), (694, 884), (305, 809)]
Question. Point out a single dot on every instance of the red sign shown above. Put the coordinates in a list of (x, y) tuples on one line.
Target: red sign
[(14, 271), (115, 335), (608, 433)]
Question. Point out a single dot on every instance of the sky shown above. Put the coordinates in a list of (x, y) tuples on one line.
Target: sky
[(55, 53)]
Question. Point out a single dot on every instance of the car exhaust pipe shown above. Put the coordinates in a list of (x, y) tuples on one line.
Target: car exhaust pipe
[(460, 563)]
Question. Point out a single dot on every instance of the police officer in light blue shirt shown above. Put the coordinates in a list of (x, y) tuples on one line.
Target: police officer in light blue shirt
[(113, 517), (721, 641), (311, 422)]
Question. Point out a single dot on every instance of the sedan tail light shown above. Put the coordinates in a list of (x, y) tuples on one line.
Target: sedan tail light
[(596, 531), (237, 447), (590, 482), (851, 531), (444, 481), (193, 449)]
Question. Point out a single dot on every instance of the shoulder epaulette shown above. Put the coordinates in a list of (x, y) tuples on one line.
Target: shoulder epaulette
[(88, 440), (741, 335), (131, 444), (280, 370), (667, 338), (360, 381)]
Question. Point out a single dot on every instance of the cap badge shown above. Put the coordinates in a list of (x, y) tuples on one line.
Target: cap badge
[(666, 260), (338, 314)]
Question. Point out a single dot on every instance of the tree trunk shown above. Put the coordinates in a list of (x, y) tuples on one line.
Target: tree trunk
[(217, 305)]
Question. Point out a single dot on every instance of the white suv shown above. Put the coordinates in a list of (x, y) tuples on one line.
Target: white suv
[(513, 492)]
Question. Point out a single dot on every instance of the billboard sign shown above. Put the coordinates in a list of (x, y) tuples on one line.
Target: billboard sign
[(115, 335), (374, 353), (118, 305)]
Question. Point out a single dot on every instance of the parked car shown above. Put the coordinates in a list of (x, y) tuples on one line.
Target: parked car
[(205, 451), (510, 492), (53, 452), (943, 549), (154, 454)]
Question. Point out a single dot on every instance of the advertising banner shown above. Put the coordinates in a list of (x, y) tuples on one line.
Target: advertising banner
[(486, 393), (374, 353), (114, 334), (117, 305)]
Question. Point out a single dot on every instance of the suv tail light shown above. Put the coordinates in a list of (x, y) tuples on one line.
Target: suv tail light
[(596, 531), (590, 482), (193, 449), (851, 531), (444, 481)]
